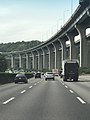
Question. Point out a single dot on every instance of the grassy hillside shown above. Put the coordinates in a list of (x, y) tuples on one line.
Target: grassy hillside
[(18, 46)]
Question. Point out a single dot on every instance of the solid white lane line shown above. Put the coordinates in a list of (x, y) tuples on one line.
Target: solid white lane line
[(8, 100), (66, 86), (23, 91), (30, 87), (71, 91), (82, 101)]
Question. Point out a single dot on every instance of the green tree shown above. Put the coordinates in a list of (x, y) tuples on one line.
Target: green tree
[(3, 63), (18, 46)]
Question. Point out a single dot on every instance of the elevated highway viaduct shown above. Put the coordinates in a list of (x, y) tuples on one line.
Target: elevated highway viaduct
[(50, 54)]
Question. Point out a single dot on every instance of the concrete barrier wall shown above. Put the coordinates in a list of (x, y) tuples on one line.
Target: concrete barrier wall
[(9, 77)]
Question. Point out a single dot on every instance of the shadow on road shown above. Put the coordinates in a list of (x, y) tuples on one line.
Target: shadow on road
[(78, 81), (83, 81)]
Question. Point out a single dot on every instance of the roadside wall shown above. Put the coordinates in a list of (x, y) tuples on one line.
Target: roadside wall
[(9, 77)]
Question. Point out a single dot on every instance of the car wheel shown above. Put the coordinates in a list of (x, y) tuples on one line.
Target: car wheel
[(16, 82), (26, 82), (64, 79)]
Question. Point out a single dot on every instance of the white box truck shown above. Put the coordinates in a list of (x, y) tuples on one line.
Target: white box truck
[(70, 70), (55, 72)]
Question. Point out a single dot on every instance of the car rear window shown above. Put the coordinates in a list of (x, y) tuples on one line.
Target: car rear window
[(20, 75), (50, 73)]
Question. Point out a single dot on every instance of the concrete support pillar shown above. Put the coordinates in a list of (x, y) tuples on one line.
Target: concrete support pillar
[(64, 49), (30, 63), (35, 61), (23, 61), (45, 58), (72, 45), (83, 46), (8, 58), (33, 66), (40, 61), (12, 61), (51, 58), (20, 61), (44, 65), (57, 56), (27, 61), (60, 52), (89, 56)]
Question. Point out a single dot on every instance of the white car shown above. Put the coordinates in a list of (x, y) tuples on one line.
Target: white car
[(49, 75)]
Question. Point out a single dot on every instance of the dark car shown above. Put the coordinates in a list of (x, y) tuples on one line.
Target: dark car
[(38, 75), (21, 78)]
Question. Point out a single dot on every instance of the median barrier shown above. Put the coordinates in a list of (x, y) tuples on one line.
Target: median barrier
[(29, 75), (9, 77)]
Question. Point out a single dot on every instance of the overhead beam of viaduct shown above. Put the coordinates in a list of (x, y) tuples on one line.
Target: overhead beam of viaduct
[(49, 55)]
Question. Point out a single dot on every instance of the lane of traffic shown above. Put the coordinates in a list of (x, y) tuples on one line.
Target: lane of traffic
[(81, 88), (22, 92), (45, 101), (9, 90)]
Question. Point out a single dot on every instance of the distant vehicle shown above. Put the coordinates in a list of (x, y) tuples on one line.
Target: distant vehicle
[(21, 78), (70, 70), (49, 75), (38, 75), (8, 71), (55, 72), (42, 73)]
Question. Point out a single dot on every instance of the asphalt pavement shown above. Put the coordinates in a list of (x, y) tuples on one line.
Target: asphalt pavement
[(46, 100)]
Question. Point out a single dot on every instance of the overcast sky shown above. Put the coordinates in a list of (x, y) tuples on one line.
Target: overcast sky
[(26, 20)]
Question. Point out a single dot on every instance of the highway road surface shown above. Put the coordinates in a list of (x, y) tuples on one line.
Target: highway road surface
[(46, 100)]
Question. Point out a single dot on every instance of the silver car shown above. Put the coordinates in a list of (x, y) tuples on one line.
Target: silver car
[(49, 75)]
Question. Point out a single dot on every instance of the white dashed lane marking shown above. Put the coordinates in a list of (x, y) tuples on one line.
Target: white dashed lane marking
[(71, 91), (82, 101), (12, 98), (30, 87), (62, 83), (35, 84), (8, 100), (66, 86), (23, 91)]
